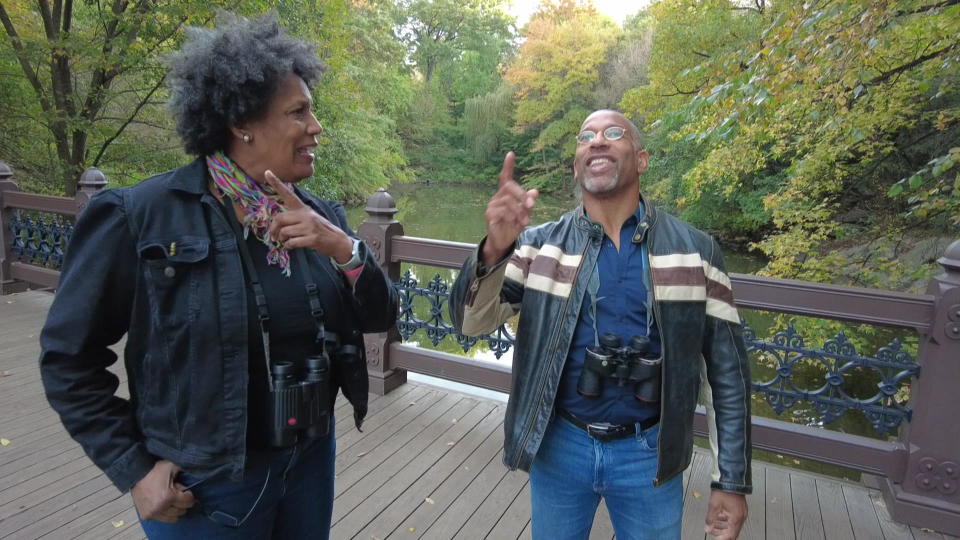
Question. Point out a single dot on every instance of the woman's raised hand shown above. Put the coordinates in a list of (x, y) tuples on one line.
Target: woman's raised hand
[(299, 226)]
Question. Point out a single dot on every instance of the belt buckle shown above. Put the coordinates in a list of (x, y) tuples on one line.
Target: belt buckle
[(603, 431)]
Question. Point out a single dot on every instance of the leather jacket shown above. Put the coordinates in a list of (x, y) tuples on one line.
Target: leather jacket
[(545, 280), (159, 263)]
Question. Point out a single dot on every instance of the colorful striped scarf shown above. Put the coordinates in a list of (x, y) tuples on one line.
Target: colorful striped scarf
[(260, 204)]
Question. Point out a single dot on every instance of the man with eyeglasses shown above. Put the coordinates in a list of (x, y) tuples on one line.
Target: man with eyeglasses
[(626, 315)]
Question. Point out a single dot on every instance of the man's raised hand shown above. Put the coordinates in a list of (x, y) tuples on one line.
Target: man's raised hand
[(508, 212)]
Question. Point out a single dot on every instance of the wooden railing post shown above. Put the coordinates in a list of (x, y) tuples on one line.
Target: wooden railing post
[(91, 181), (928, 494), (377, 231), (7, 283)]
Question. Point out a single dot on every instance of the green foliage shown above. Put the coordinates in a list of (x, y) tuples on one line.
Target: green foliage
[(555, 73), (486, 121)]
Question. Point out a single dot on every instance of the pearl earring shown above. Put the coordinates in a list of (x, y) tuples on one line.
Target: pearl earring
[(246, 137)]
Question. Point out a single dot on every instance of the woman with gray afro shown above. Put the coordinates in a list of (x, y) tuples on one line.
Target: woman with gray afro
[(243, 300)]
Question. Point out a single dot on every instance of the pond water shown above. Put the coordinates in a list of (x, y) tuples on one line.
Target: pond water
[(455, 212)]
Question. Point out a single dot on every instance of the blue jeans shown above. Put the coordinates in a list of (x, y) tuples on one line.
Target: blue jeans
[(285, 493), (572, 471)]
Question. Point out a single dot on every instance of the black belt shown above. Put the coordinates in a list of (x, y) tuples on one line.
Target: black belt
[(606, 432)]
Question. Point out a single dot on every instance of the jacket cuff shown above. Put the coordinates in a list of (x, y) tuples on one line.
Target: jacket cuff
[(130, 467), (742, 489), (481, 270)]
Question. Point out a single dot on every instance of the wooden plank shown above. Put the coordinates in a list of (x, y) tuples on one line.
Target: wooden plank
[(485, 518), (102, 518), (833, 510), (442, 483), (384, 483), (756, 525), (26, 445), (124, 523), (891, 529), (515, 519), (527, 533), (42, 460), (695, 500), (356, 463), (40, 509), (36, 496), (382, 424), (863, 515), (456, 515), (76, 508), (779, 504), (40, 482), (807, 518)]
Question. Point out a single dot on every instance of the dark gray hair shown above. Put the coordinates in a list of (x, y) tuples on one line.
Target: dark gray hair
[(226, 76)]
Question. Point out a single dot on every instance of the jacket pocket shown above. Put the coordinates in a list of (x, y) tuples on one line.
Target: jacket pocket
[(173, 274)]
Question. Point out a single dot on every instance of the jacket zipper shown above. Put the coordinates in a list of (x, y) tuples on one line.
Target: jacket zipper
[(542, 382), (663, 348)]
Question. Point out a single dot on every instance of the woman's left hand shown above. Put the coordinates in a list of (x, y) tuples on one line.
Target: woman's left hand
[(299, 226)]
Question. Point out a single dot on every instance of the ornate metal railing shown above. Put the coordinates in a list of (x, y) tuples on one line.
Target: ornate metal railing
[(39, 240), (435, 327), (836, 360), (35, 230)]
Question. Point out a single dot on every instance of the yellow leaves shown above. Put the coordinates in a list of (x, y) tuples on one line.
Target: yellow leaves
[(117, 524), (4, 442)]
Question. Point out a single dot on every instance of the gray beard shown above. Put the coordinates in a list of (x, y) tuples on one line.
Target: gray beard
[(608, 188)]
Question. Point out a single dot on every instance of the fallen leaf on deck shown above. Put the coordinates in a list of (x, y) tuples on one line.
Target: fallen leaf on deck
[(4, 442), (361, 454), (429, 500), (117, 524), (926, 530), (454, 420), (697, 495), (5, 374), (411, 529), (412, 403), (466, 468), (450, 443)]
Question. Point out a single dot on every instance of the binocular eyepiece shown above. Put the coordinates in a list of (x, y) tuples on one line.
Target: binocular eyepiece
[(633, 364)]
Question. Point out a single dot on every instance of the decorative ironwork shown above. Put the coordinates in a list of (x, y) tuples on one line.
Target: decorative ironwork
[(835, 361), (436, 328), (39, 240)]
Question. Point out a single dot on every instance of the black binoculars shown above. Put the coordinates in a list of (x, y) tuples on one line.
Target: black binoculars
[(632, 364)]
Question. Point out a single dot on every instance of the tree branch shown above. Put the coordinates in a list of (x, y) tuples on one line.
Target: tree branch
[(136, 110), (909, 65), (21, 55), (924, 9)]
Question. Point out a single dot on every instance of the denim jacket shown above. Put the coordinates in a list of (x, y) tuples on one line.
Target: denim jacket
[(545, 280), (149, 262)]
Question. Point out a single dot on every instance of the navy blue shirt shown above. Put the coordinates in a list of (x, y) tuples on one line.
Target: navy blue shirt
[(621, 310)]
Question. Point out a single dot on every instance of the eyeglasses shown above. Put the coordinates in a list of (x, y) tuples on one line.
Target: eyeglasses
[(612, 133)]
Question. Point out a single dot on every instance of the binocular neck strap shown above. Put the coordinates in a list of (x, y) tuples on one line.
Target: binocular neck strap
[(313, 297), (263, 314), (593, 289)]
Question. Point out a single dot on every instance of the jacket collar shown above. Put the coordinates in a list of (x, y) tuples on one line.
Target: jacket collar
[(583, 221), (194, 179), (190, 178)]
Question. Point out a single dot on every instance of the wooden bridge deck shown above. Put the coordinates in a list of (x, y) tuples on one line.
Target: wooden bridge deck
[(426, 466)]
